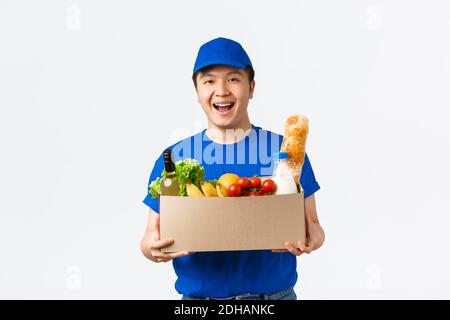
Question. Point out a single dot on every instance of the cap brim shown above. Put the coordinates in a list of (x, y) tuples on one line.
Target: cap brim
[(228, 62)]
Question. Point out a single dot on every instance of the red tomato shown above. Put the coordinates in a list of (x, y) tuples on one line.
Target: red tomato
[(269, 186), (244, 183), (255, 182), (234, 190), (253, 194)]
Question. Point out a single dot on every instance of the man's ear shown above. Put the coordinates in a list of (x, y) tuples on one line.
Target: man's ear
[(252, 89)]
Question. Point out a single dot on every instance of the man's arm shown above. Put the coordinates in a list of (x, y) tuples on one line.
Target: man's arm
[(146, 239), (315, 236), (151, 243)]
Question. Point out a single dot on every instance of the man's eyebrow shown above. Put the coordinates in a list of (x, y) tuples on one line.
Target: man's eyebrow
[(234, 72), (202, 75)]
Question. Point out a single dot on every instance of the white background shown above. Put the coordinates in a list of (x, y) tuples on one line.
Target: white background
[(92, 91)]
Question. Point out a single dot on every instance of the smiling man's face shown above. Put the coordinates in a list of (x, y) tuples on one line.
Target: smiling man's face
[(224, 93)]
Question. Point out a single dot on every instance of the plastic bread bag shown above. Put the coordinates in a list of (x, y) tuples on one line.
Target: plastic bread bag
[(296, 130)]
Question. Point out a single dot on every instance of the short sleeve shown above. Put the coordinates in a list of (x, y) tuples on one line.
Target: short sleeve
[(307, 179), (158, 167)]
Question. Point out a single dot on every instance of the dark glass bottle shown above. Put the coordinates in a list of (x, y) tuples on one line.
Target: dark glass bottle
[(169, 185)]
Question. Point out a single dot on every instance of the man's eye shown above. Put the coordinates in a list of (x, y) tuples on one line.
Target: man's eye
[(208, 82), (234, 79)]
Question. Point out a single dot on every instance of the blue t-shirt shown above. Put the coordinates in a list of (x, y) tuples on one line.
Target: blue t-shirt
[(228, 273)]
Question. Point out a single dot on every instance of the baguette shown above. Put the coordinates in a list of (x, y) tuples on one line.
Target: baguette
[(296, 131)]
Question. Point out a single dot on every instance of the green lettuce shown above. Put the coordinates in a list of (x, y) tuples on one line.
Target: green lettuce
[(155, 188), (187, 170)]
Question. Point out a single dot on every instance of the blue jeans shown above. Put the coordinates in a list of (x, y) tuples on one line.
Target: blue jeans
[(288, 294)]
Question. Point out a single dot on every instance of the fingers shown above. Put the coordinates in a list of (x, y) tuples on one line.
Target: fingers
[(166, 257), (303, 247), (158, 244), (292, 249), (178, 254)]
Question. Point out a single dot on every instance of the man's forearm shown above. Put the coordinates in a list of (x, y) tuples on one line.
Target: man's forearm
[(320, 236)]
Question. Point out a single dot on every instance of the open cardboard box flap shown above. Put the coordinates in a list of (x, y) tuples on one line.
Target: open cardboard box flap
[(232, 223)]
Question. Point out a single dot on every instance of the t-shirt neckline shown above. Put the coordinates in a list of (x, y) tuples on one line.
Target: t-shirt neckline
[(228, 144)]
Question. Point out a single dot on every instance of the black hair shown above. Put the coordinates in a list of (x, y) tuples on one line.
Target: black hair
[(248, 69)]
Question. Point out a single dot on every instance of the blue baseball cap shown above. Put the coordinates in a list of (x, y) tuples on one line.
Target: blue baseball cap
[(222, 51)]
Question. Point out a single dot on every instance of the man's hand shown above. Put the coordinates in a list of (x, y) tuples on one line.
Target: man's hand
[(314, 239), (152, 243), (315, 236)]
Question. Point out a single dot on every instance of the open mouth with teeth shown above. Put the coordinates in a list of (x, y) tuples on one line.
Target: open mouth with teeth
[(223, 107)]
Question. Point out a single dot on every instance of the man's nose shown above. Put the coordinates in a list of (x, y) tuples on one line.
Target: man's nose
[(222, 89)]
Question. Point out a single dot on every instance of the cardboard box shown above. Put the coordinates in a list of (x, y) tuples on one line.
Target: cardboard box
[(232, 223)]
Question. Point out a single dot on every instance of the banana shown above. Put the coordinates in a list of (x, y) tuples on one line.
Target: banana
[(222, 191), (208, 189), (193, 191)]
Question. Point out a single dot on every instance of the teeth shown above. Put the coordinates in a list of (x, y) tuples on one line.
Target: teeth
[(223, 104)]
